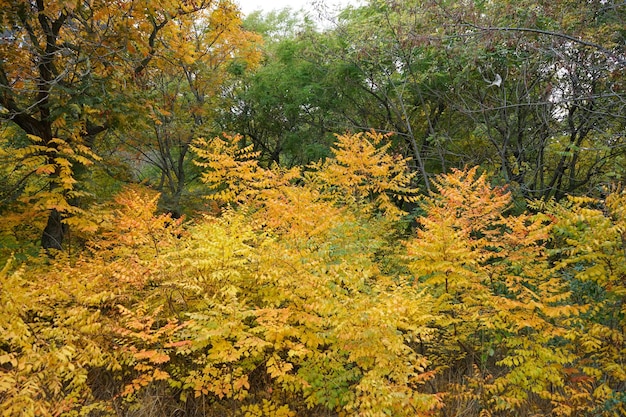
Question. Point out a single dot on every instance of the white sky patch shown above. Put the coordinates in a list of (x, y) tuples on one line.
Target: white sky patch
[(248, 6)]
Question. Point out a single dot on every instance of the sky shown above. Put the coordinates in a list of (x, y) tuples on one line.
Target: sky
[(248, 6)]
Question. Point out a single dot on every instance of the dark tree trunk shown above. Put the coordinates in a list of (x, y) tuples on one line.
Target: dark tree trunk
[(54, 233)]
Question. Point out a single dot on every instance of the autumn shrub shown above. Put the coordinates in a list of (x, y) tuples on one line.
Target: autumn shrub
[(323, 331), (282, 301), (499, 312), (363, 173), (276, 307), (299, 298), (60, 315), (590, 254), (52, 333)]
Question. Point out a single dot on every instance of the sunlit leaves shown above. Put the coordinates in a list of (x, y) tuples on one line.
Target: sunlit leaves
[(45, 354), (591, 254), (496, 298), (233, 172), (45, 176), (363, 169)]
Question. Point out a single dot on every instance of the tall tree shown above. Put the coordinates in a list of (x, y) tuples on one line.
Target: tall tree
[(65, 72), (544, 85), (188, 84), (284, 108)]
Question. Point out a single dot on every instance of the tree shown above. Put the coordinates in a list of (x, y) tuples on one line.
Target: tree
[(65, 69), (552, 119), (185, 90), (499, 311), (284, 107)]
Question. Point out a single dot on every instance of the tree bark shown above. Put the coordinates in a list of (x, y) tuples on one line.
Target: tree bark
[(55, 231)]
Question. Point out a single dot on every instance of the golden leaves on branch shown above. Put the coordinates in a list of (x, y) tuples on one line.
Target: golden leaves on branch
[(362, 171), (491, 279)]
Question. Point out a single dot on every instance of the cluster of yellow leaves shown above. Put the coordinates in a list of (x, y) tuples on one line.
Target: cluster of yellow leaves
[(363, 171), (591, 236), (45, 174), (361, 175), (129, 224), (48, 341), (137, 332), (59, 324), (267, 408), (324, 334), (497, 300), (234, 173)]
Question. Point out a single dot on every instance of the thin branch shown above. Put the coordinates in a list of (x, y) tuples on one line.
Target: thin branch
[(621, 60)]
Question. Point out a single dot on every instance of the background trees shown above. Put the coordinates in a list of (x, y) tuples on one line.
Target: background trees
[(529, 91), (183, 92), (544, 119), (282, 108)]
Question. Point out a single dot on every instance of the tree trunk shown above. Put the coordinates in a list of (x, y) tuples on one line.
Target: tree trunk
[(54, 233)]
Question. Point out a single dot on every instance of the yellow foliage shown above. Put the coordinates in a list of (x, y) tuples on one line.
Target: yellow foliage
[(233, 173), (297, 298), (591, 249), (363, 171), (45, 171), (45, 353), (495, 298)]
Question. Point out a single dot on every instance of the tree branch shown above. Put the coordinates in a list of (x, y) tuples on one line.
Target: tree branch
[(620, 60)]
